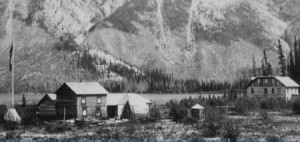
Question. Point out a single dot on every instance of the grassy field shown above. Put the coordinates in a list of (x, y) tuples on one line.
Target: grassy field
[(277, 126)]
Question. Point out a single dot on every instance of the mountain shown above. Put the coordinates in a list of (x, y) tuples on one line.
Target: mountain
[(199, 39)]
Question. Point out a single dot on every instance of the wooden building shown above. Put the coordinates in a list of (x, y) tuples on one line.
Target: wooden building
[(272, 87), (81, 100), (197, 111), (46, 106)]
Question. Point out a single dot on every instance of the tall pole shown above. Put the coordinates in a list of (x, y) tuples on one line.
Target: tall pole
[(12, 79), (10, 29)]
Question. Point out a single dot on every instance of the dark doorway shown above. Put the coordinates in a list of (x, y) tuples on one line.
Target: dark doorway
[(112, 111)]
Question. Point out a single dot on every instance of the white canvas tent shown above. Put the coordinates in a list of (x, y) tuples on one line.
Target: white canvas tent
[(138, 104), (12, 116)]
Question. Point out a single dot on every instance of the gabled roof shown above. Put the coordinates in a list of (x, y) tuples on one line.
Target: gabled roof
[(286, 81), (197, 106), (48, 95), (86, 88)]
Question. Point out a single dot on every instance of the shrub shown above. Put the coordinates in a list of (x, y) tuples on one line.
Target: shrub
[(273, 138), (80, 124), (213, 122), (28, 114), (3, 110), (244, 105), (12, 135), (56, 128), (155, 114), (178, 113), (296, 107), (231, 131), (191, 120), (264, 105), (144, 119), (9, 125), (265, 116)]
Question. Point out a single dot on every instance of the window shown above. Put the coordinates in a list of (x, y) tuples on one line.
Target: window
[(98, 111), (252, 91), (273, 91), (99, 100), (279, 90), (266, 90), (83, 100), (84, 111), (258, 81), (266, 81)]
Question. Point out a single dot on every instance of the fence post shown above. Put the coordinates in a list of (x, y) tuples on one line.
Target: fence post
[(64, 115)]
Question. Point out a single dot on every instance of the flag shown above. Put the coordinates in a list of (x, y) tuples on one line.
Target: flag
[(11, 52)]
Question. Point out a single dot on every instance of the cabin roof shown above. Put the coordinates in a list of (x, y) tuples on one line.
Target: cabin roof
[(48, 95), (286, 81), (86, 88), (197, 106)]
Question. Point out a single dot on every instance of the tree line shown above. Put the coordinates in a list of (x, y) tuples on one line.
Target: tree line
[(294, 61)]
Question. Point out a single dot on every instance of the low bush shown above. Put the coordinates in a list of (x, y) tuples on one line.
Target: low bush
[(145, 119), (12, 135), (214, 119), (9, 125), (231, 131), (80, 124), (56, 128), (178, 113), (155, 114), (28, 114), (265, 116), (3, 110), (273, 138)]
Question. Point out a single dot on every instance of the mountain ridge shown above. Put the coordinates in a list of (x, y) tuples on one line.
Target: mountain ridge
[(205, 39)]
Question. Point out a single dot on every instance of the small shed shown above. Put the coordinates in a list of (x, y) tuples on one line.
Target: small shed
[(197, 111), (46, 106)]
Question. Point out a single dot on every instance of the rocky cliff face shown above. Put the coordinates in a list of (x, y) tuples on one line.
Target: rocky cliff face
[(204, 39)]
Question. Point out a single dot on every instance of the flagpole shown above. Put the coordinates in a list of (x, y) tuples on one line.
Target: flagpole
[(12, 6), (12, 78)]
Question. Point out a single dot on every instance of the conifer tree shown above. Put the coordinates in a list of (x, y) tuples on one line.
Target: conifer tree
[(282, 60)]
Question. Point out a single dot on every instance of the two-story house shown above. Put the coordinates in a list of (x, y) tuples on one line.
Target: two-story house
[(81, 100), (272, 87)]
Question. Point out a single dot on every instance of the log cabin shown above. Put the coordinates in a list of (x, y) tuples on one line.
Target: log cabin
[(46, 106), (281, 88), (81, 100)]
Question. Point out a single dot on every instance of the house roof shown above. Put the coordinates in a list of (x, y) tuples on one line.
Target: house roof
[(286, 81), (197, 106), (86, 88)]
